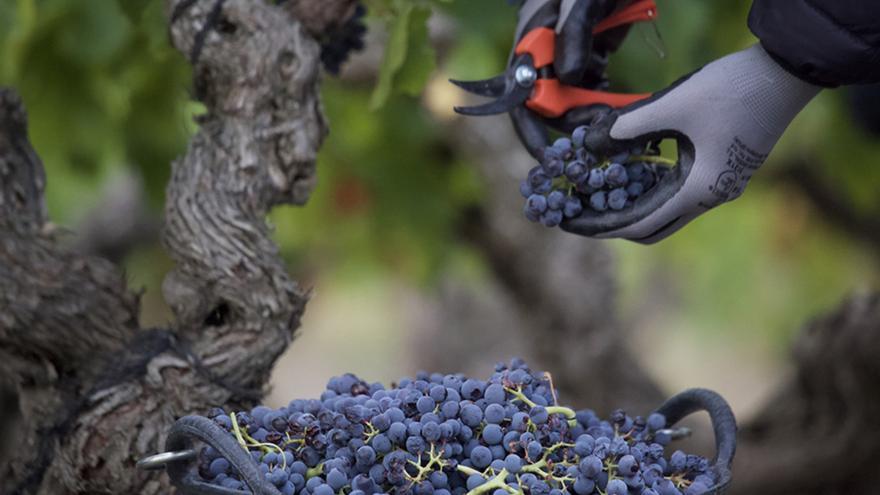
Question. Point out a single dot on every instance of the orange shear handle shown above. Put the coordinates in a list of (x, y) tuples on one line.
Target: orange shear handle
[(551, 98)]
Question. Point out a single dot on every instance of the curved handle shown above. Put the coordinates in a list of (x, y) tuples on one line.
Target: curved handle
[(180, 438), (723, 423), (639, 11), (551, 98)]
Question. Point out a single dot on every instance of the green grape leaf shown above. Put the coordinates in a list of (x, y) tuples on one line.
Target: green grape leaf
[(409, 56), (420, 59), (395, 55)]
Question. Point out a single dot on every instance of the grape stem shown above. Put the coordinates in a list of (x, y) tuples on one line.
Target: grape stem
[(565, 411), (237, 431), (315, 471), (496, 482), (516, 392), (246, 441), (424, 471), (652, 159)]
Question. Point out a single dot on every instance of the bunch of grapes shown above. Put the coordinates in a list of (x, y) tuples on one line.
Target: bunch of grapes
[(448, 434), (570, 179), (338, 44)]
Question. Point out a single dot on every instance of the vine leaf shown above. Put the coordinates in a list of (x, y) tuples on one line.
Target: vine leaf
[(420, 61), (409, 57)]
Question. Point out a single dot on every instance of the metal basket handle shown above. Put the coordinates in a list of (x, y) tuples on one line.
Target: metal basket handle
[(188, 483), (723, 423)]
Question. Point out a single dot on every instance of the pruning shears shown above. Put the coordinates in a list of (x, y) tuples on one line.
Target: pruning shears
[(529, 81)]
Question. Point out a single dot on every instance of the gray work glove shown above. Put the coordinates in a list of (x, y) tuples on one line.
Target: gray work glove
[(726, 117)]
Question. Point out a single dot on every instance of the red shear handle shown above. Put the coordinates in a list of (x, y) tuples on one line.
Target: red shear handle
[(551, 98), (540, 42), (642, 10)]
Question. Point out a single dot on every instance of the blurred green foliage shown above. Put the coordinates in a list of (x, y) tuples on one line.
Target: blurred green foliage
[(103, 90), (106, 91), (409, 57)]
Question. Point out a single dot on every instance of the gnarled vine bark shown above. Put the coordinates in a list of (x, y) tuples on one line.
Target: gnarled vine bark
[(94, 391)]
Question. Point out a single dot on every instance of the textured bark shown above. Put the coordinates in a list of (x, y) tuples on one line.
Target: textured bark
[(819, 434), (94, 391), (320, 16)]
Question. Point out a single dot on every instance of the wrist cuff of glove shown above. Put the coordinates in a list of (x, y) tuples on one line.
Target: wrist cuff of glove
[(773, 95)]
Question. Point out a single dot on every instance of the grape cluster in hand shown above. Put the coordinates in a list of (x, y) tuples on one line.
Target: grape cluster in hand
[(570, 179), (449, 434)]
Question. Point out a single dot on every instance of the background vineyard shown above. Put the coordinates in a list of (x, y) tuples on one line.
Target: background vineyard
[(716, 305)]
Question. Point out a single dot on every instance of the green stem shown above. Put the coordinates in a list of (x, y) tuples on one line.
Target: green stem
[(565, 411), (315, 471), (468, 470), (237, 431), (652, 159), (521, 396), (492, 484)]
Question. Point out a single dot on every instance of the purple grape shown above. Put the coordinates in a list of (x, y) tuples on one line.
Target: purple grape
[(627, 465), (578, 135), (598, 201), (494, 413), (616, 487), (635, 171), (494, 393), (513, 463), (656, 421), (596, 179), (481, 457), (218, 466), (635, 189), (530, 214), (573, 207), (615, 175), (666, 487), (617, 198), (563, 143), (537, 203), (554, 167), (539, 181), (555, 201), (551, 218), (583, 486), (576, 171), (492, 434), (678, 461)]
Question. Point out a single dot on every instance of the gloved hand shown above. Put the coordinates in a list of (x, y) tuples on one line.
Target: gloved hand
[(580, 58), (726, 118)]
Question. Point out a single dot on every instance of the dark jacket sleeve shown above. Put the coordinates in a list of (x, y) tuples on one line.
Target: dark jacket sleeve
[(825, 42)]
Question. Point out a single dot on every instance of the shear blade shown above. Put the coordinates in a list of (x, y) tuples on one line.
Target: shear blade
[(493, 87), (507, 102)]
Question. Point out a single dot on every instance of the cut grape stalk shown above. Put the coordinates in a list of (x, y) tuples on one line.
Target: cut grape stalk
[(444, 435)]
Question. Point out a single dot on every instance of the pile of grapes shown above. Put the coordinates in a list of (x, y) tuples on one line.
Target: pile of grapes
[(570, 179), (447, 434)]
